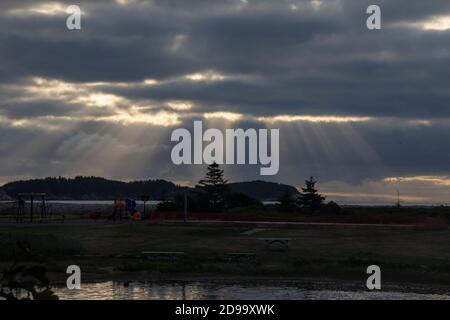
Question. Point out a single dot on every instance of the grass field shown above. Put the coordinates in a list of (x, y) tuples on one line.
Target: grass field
[(403, 255)]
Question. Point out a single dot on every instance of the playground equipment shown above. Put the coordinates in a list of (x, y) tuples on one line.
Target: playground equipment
[(118, 209), (133, 213), (41, 207), (125, 208)]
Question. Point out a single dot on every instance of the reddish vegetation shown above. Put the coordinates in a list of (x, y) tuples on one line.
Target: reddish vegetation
[(372, 218)]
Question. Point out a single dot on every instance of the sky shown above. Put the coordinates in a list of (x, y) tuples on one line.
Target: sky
[(363, 111)]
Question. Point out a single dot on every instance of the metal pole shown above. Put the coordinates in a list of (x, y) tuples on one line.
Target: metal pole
[(185, 207), (31, 209), (144, 215), (44, 210)]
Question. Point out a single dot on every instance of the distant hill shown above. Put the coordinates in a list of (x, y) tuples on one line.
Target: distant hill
[(4, 196), (95, 188), (262, 190), (92, 188)]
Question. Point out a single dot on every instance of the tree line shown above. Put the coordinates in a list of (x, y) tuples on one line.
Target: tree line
[(213, 194)]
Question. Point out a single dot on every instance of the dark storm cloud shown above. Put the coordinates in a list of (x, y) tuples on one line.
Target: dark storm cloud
[(46, 107), (33, 109), (307, 61), (122, 44)]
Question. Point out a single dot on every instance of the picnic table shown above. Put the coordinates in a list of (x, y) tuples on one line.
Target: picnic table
[(271, 241), (162, 255), (241, 257)]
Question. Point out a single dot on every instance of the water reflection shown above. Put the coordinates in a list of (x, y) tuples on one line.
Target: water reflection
[(197, 291)]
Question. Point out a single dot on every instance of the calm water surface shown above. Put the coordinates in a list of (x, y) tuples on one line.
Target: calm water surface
[(197, 290)]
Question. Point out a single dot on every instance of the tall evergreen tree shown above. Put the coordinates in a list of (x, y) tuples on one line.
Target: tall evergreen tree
[(214, 185), (310, 197)]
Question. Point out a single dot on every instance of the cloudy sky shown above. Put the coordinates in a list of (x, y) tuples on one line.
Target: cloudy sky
[(366, 112)]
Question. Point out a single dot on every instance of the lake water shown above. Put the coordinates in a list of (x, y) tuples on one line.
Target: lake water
[(84, 202), (202, 290)]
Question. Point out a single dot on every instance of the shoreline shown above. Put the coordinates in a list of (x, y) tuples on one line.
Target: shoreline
[(310, 283)]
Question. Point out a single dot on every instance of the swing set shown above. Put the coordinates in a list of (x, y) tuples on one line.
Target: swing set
[(37, 204)]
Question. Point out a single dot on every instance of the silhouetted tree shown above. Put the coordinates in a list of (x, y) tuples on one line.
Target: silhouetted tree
[(310, 197), (214, 185), (24, 282)]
